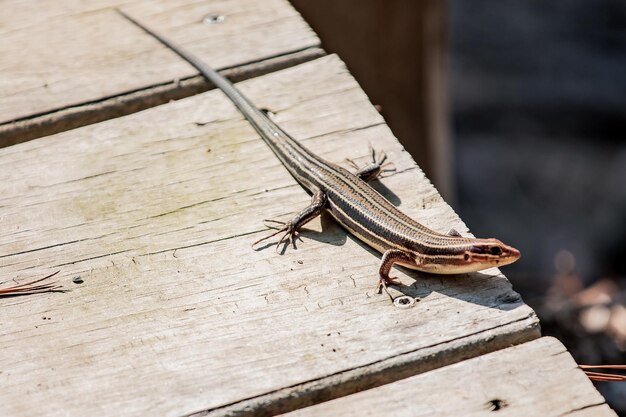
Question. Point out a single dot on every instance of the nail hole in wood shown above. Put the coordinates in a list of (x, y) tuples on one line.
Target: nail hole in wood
[(496, 404), (404, 301), (213, 19)]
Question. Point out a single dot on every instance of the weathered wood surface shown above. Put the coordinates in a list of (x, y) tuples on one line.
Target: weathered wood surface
[(177, 314), (539, 378), (69, 63)]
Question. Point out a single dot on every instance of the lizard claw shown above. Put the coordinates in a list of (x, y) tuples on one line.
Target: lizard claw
[(383, 282), (272, 223)]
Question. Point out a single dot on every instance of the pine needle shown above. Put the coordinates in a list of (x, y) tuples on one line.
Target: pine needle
[(33, 287), (601, 376)]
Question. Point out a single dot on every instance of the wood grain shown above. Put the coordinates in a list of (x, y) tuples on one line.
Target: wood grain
[(156, 211), (539, 378), (69, 63)]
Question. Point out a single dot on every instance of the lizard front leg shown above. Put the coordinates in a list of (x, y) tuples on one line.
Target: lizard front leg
[(390, 257), (290, 228)]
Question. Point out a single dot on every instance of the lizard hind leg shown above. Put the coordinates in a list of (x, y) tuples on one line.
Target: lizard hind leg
[(290, 228)]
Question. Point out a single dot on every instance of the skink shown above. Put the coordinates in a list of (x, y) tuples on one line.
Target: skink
[(353, 203)]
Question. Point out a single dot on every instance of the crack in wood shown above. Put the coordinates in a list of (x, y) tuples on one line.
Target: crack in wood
[(42, 248), (92, 258), (598, 404)]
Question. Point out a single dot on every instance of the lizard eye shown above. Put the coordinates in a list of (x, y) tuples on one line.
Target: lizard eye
[(495, 250)]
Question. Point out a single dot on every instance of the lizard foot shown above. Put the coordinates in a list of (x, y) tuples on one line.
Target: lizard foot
[(290, 234), (383, 282)]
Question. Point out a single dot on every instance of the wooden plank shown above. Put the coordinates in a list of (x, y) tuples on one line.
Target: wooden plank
[(539, 378), (62, 67), (177, 314)]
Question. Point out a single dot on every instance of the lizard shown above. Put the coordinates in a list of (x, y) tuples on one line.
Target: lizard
[(352, 202)]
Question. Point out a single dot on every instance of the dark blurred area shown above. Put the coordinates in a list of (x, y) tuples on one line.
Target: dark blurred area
[(517, 112), (539, 104), (538, 99)]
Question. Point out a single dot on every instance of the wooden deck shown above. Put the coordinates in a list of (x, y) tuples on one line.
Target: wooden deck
[(156, 210)]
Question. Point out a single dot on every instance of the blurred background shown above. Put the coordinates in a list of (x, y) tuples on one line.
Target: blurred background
[(517, 112)]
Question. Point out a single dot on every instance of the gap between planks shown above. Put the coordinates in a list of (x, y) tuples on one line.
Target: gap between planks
[(382, 372), (44, 124)]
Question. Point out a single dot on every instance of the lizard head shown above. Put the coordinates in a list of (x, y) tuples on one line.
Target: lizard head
[(487, 253), (470, 255)]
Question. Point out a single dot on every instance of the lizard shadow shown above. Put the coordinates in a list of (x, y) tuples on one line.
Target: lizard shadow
[(385, 192), (480, 288)]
